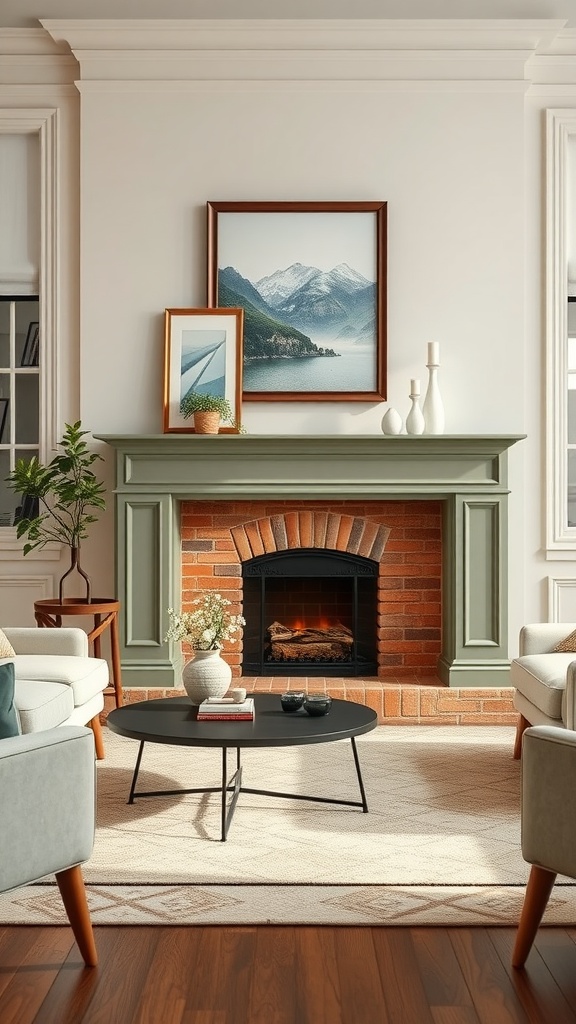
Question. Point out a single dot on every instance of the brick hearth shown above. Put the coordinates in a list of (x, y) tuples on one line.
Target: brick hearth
[(398, 702)]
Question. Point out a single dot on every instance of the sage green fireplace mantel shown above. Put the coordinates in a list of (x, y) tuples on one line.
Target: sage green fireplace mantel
[(468, 473)]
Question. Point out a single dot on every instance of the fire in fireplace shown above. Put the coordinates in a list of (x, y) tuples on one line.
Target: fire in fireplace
[(310, 612)]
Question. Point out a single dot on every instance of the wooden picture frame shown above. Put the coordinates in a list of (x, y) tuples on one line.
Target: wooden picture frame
[(311, 278), (202, 352)]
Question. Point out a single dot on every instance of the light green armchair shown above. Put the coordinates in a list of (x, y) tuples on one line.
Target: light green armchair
[(548, 822), (47, 810)]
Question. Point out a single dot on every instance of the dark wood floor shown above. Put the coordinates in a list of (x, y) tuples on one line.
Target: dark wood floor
[(285, 975)]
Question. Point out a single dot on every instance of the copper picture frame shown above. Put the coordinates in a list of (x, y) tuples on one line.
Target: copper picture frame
[(311, 278), (203, 353)]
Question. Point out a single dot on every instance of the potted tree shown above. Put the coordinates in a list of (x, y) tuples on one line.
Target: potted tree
[(208, 411), (63, 495)]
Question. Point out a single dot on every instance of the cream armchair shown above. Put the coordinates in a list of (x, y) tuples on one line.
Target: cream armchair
[(57, 682), (544, 680), (548, 823), (47, 801)]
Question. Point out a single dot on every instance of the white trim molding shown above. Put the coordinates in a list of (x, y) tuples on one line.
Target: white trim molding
[(556, 586), (43, 584), (418, 50), (560, 126)]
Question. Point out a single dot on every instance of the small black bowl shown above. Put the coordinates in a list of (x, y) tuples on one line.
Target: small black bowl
[(317, 704), (292, 701)]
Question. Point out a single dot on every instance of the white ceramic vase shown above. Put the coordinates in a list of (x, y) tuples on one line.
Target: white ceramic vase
[(433, 405), (206, 675), (415, 418), (391, 422)]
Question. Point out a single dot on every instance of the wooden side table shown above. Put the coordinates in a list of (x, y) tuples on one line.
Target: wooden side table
[(50, 611)]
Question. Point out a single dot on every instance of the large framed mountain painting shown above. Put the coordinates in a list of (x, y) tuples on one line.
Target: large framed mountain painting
[(311, 278)]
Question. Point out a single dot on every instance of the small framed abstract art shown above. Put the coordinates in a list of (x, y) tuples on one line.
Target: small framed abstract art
[(202, 355), (311, 278)]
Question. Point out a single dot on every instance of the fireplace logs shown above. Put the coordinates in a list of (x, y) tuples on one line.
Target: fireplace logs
[(309, 644)]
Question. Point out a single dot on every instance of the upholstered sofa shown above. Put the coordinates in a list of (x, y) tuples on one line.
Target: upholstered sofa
[(544, 680), (57, 682)]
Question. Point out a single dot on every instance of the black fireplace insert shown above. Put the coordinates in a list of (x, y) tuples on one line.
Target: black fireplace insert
[(310, 612)]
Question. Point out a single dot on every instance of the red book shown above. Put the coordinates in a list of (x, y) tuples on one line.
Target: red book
[(225, 718)]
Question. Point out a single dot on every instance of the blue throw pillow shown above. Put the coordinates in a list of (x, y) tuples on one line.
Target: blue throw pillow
[(9, 725)]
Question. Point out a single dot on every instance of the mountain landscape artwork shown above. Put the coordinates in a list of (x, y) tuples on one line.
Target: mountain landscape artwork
[(308, 282)]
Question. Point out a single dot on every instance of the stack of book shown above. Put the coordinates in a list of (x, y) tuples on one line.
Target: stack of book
[(223, 709)]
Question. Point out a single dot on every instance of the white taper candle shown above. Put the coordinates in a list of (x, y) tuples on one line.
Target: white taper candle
[(434, 352), (415, 387)]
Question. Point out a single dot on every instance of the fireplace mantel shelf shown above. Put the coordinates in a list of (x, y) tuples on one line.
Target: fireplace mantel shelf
[(155, 472), (240, 465)]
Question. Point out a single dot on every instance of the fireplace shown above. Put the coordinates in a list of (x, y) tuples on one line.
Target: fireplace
[(466, 475), (310, 612)]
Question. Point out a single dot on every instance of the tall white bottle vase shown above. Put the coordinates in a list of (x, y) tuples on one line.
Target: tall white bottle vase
[(415, 418), (433, 406)]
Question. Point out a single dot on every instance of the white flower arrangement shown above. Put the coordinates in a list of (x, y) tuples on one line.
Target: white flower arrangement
[(206, 627)]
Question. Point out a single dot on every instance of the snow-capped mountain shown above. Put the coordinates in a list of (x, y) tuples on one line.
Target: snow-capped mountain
[(328, 299), (337, 303), (276, 287)]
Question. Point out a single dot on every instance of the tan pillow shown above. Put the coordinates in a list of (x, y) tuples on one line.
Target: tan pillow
[(568, 644), (6, 649)]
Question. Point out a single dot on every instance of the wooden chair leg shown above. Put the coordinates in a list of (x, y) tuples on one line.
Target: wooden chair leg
[(96, 727), (73, 893), (521, 727), (116, 663), (536, 897)]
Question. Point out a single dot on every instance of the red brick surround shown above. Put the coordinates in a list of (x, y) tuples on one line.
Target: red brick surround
[(404, 537)]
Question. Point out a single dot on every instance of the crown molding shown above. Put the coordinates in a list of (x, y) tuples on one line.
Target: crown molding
[(30, 41), (350, 50), (388, 33)]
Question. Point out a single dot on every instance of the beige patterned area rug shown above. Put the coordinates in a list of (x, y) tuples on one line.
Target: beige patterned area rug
[(440, 844)]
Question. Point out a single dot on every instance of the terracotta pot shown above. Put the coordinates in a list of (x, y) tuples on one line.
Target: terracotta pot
[(207, 422)]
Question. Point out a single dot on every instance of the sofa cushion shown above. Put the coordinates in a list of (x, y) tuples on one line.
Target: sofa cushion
[(85, 676), (541, 678), (9, 725), (42, 705)]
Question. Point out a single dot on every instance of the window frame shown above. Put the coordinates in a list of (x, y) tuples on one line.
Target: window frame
[(45, 123), (560, 538)]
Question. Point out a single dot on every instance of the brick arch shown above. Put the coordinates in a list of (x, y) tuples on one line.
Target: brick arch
[(310, 529)]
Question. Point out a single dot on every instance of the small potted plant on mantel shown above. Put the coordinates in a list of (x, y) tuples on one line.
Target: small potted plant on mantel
[(63, 496), (208, 411)]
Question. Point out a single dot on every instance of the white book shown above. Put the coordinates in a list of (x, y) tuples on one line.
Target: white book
[(210, 706)]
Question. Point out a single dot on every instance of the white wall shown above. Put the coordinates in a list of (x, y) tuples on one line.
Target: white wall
[(458, 158), (449, 165)]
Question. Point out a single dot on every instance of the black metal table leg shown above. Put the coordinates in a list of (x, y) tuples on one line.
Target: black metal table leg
[(235, 784), (359, 774), (136, 770)]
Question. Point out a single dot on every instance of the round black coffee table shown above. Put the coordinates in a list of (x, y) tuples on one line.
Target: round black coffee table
[(172, 720)]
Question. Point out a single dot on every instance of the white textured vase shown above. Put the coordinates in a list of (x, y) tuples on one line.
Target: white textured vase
[(391, 422), (433, 405), (207, 675)]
